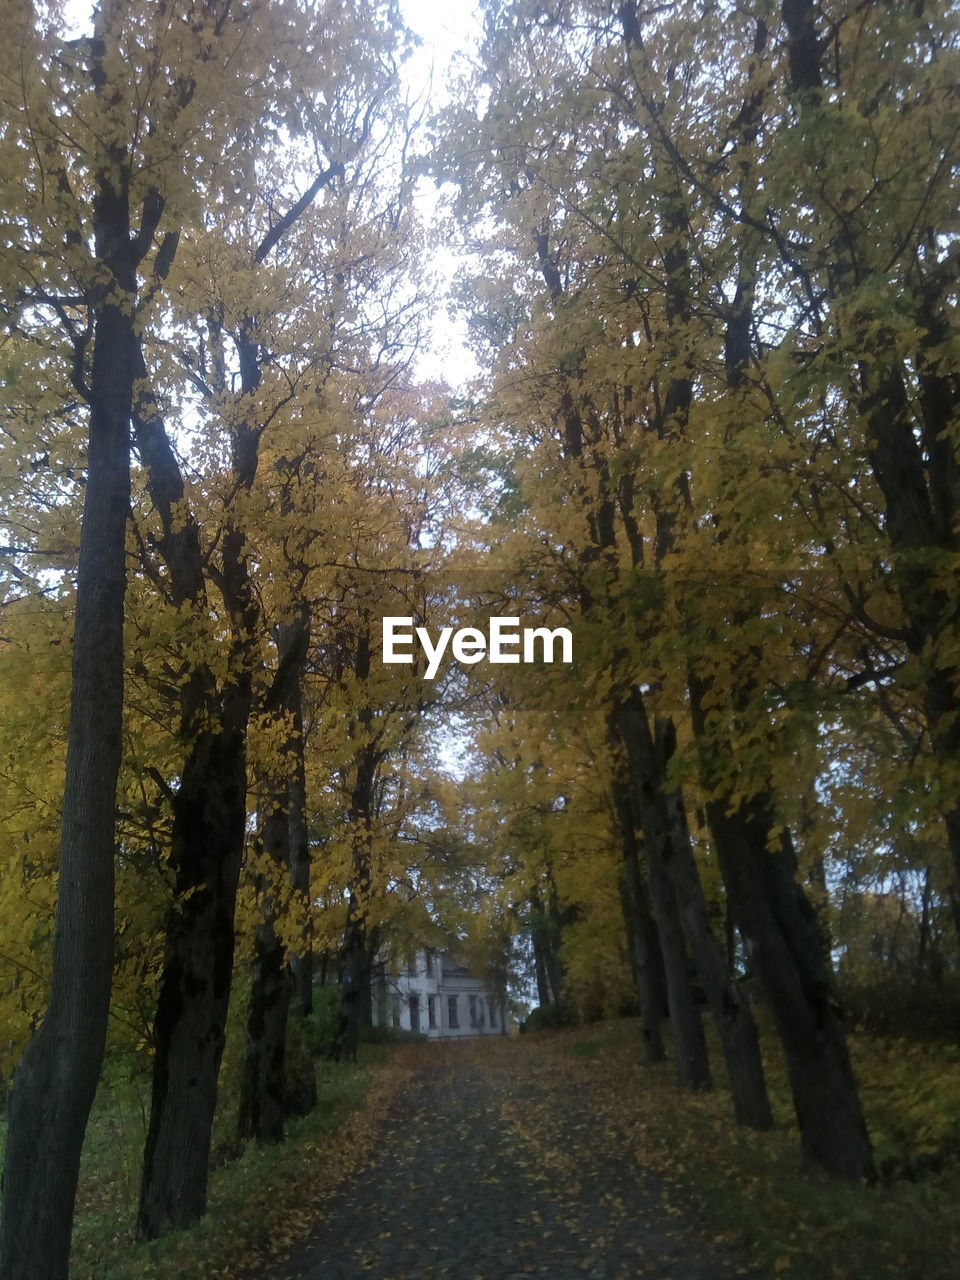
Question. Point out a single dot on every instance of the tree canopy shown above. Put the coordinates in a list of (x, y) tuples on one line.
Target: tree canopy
[(707, 265)]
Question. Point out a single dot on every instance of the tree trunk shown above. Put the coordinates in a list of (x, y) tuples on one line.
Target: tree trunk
[(301, 1092), (263, 1094), (357, 967), (300, 868), (781, 927), (693, 1066), (643, 940), (731, 1013), (263, 1089), (544, 930), (209, 823), (664, 820), (923, 935), (539, 966), (729, 1008), (365, 1011), (360, 940), (782, 932), (208, 831), (57, 1077), (555, 921)]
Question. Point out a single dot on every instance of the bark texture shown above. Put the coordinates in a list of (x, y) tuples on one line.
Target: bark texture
[(57, 1077), (209, 818), (665, 828), (782, 933), (263, 1100), (642, 937), (693, 1065), (189, 1029)]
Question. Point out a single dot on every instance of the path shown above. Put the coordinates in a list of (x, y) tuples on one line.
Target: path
[(496, 1167)]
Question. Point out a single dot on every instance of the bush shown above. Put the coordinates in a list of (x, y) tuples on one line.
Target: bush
[(324, 1021), (904, 1009), (545, 1017)]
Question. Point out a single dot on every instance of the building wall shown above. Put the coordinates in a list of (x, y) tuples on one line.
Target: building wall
[(460, 1003)]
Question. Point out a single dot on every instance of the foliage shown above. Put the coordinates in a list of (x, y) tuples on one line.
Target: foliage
[(747, 1187), (260, 1203), (710, 279), (324, 1021), (545, 1017)]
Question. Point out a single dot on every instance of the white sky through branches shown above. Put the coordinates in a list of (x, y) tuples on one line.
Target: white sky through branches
[(448, 32)]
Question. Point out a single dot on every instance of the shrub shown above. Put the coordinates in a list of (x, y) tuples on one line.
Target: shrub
[(545, 1017), (324, 1021)]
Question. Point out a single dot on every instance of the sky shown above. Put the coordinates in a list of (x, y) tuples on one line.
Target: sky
[(446, 30)]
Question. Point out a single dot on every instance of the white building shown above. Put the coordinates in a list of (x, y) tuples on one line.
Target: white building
[(438, 997)]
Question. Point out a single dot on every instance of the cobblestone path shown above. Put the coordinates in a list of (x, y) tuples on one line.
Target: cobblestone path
[(495, 1167)]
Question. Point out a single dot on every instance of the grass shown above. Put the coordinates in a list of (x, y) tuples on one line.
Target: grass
[(748, 1186), (258, 1203), (741, 1185)]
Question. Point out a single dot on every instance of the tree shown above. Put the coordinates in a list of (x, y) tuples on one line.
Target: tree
[(96, 241), (887, 297), (650, 416), (246, 319)]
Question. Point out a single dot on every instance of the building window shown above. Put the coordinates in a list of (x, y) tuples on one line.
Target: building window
[(395, 1011), (412, 965), (493, 1016), (453, 1022), (414, 1013), (432, 1012), (473, 1011), (428, 957)]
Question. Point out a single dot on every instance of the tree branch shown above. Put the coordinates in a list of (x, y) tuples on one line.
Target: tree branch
[(279, 230)]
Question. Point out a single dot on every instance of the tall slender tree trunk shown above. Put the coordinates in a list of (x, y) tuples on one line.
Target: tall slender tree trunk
[(555, 922), (263, 1098), (642, 937), (263, 1088), (780, 926), (539, 966), (360, 941), (923, 935), (301, 1084), (263, 1092), (545, 930), (666, 832), (365, 1010), (693, 1065), (357, 959), (729, 1007), (189, 1030), (302, 962), (57, 1077), (209, 822)]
